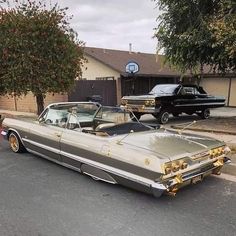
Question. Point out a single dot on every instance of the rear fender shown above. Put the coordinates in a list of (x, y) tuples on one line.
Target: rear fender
[(97, 174)]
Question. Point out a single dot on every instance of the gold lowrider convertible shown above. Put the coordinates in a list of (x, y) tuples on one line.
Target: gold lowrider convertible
[(104, 143)]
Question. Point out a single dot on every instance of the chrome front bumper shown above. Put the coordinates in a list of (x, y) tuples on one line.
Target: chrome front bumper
[(142, 109), (176, 182)]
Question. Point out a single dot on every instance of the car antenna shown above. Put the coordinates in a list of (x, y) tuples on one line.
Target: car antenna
[(185, 127), (119, 141), (133, 115)]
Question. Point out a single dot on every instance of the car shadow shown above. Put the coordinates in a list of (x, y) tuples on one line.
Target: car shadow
[(172, 120)]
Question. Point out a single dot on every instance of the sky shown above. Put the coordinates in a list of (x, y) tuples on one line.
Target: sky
[(114, 24)]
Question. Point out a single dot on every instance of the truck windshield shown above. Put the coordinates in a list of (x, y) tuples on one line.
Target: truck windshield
[(164, 89)]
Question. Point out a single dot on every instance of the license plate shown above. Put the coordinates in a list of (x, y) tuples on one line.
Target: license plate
[(196, 179)]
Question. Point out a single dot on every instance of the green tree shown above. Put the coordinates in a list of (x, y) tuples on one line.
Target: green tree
[(223, 29), (39, 52), (193, 33)]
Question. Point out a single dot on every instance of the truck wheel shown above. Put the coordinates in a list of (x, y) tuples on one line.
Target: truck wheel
[(15, 143), (137, 116), (204, 114), (163, 117)]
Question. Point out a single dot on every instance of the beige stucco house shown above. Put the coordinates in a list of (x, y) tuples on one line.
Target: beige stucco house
[(105, 67)]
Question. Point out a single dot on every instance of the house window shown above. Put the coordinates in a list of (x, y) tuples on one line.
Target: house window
[(105, 78)]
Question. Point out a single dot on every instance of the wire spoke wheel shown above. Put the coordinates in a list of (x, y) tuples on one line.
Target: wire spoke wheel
[(163, 117), (205, 114), (15, 143)]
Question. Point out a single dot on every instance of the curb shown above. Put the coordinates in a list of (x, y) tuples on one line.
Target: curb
[(206, 130)]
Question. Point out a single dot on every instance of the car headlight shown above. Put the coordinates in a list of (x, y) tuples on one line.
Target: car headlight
[(215, 152), (124, 102), (150, 102)]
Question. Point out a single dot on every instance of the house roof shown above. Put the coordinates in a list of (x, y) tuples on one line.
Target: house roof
[(149, 64)]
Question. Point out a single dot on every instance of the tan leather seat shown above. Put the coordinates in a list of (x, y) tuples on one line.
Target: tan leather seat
[(102, 126)]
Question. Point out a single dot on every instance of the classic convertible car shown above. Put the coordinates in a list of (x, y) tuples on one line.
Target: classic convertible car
[(173, 98), (104, 143)]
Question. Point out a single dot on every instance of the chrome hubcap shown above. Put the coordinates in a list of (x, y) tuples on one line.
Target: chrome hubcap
[(165, 117), (14, 142), (207, 113)]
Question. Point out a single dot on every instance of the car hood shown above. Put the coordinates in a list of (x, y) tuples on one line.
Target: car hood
[(140, 97), (171, 145)]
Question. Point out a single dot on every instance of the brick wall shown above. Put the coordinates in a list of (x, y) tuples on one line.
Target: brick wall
[(28, 103)]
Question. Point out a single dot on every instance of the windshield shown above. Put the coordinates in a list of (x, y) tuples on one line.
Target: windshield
[(164, 89), (58, 114), (113, 114)]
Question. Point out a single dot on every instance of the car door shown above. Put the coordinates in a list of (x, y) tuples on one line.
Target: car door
[(185, 99), (44, 139), (44, 135), (203, 99), (78, 146)]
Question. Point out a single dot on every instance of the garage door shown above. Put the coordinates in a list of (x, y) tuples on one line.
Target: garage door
[(232, 98)]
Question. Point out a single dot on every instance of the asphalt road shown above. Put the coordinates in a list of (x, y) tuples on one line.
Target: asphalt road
[(40, 198), (184, 118)]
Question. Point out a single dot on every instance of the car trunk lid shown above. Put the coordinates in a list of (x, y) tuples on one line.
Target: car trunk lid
[(170, 145)]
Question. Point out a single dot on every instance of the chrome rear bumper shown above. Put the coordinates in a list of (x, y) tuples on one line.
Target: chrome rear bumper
[(172, 185)]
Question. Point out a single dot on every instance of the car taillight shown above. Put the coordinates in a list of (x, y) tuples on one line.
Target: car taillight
[(184, 165), (167, 170), (175, 166), (218, 151)]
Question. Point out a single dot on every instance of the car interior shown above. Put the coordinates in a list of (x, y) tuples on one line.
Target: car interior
[(102, 121)]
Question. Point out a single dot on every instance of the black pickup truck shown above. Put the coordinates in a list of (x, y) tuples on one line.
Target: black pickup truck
[(164, 99)]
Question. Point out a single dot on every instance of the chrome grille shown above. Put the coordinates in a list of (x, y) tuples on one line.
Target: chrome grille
[(136, 102)]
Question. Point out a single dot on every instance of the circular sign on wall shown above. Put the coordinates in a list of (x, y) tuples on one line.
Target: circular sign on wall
[(132, 67)]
